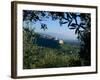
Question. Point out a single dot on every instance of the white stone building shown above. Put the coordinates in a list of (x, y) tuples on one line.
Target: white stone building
[(61, 42)]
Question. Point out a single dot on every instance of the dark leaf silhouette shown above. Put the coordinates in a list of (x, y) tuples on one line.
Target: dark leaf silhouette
[(73, 24), (77, 29), (69, 23), (44, 26), (82, 26), (69, 16), (72, 28), (82, 23)]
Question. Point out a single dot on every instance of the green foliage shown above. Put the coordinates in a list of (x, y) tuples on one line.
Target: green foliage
[(82, 29), (85, 37), (45, 57)]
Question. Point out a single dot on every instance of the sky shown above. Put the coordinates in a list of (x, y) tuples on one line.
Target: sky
[(62, 32)]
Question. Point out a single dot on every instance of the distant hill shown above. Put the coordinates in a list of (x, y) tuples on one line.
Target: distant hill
[(45, 40), (57, 36)]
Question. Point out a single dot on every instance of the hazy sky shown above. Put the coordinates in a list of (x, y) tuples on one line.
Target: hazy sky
[(54, 27)]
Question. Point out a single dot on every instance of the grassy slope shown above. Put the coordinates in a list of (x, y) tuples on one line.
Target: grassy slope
[(43, 57), (47, 57)]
